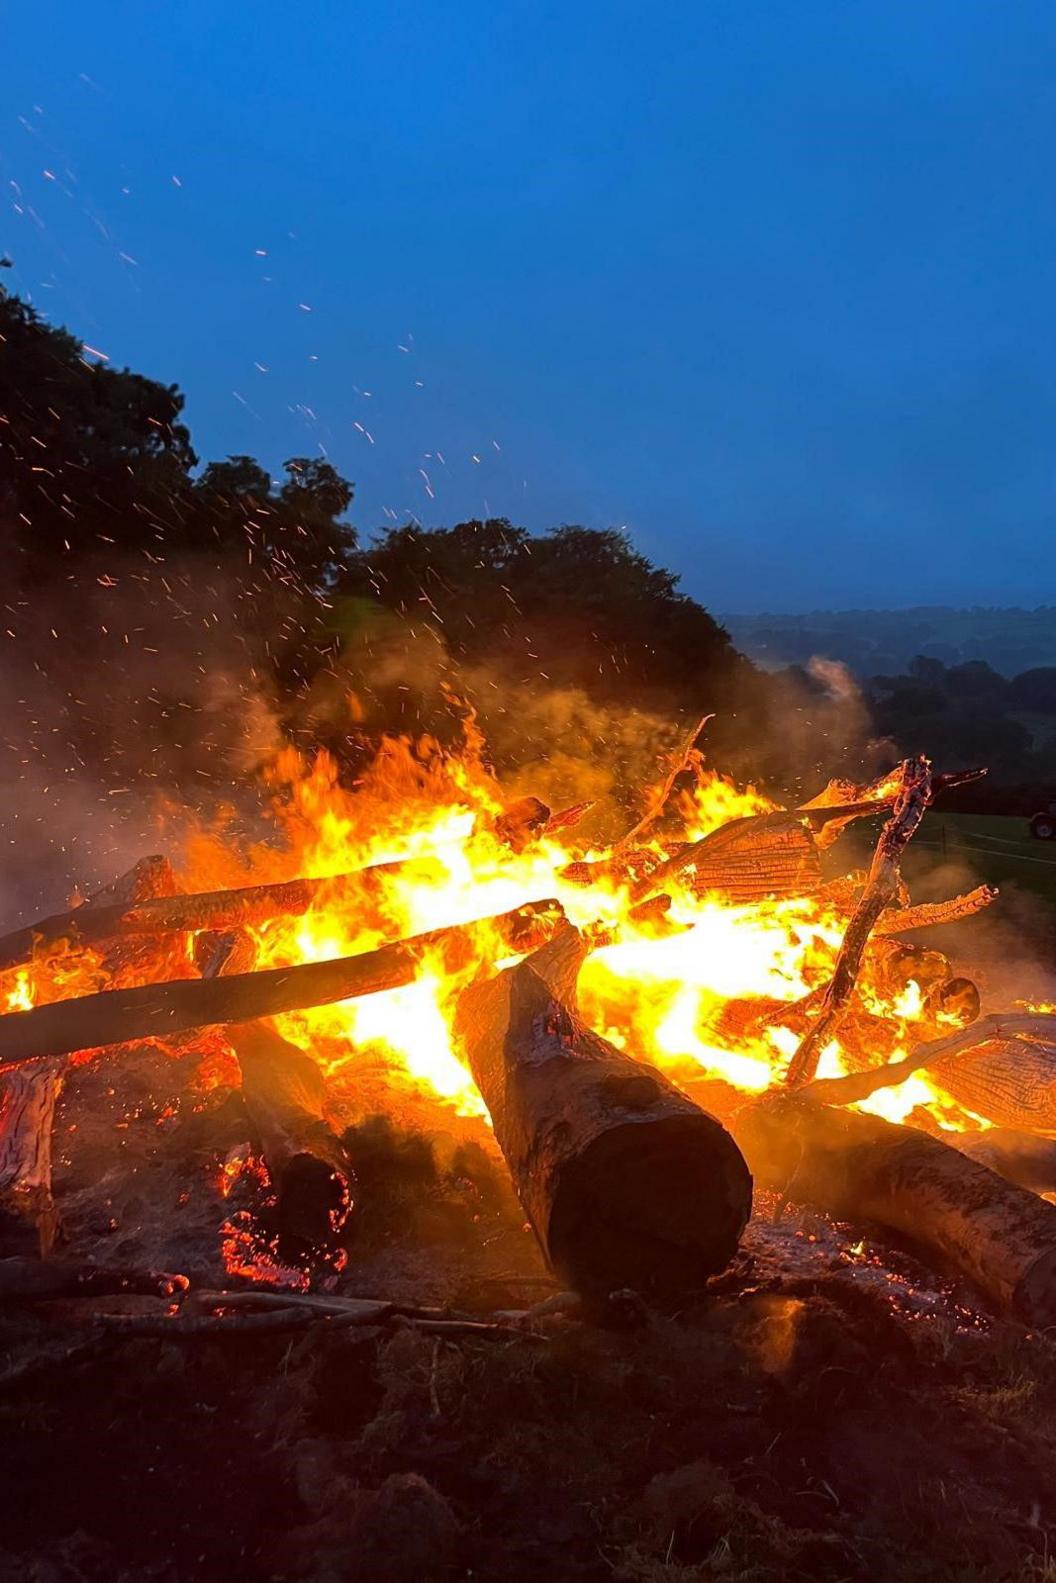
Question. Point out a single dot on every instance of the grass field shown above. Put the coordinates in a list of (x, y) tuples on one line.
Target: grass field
[(1000, 850), (993, 848)]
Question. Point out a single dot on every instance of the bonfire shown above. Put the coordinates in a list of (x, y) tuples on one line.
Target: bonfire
[(640, 1028)]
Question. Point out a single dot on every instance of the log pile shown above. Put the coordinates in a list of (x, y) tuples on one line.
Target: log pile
[(627, 1181)]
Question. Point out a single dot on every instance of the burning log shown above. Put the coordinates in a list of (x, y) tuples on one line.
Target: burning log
[(880, 890), (856, 1167), (930, 914), (625, 1180), (1002, 1067), (775, 854), (1011, 1081), (285, 1096), (156, 1011), (146, 901), (745, 860), (522, 822), (189, 913)]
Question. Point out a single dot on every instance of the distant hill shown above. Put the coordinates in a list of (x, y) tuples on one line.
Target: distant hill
[(872, 642)]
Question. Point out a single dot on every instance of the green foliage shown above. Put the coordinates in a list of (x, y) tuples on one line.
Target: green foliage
[(968, 714)]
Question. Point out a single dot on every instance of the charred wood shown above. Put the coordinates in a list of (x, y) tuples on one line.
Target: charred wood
[(880, 890), (857, 1167), (285, 1096), (156, 1011), (625, 1180), (29, 1219)]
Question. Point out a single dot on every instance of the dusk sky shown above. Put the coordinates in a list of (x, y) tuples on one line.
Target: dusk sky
[(769, 284)]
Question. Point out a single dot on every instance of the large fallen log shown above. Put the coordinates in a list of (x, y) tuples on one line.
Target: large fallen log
[(285, 1096), (856, 1167), (156, 1011), (626, 1181), (1026, 1158)]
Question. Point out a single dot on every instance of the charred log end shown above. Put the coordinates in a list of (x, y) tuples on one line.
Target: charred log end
[(658, 1204), (313, 1201)]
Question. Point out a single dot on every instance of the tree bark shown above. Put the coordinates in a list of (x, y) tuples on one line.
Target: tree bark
[(1026, 1158), (156, 1011), (626, 1181), (29, 1220)]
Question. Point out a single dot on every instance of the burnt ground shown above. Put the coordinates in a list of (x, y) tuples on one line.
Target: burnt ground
[(826, 1410)]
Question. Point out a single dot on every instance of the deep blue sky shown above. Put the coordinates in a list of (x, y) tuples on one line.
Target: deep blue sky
[(770, 282)]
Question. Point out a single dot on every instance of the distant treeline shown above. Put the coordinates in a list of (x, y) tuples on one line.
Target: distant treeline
[(969, 714), (871, 642)]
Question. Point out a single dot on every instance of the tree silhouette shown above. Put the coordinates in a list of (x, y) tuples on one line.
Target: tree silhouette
[(90, 457)]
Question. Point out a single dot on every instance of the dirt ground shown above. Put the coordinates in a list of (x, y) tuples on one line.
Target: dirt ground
[(825, 1410)]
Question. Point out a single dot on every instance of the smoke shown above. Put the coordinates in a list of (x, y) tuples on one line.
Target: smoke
[(122, 692)]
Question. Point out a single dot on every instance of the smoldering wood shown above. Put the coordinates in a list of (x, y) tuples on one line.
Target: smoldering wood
[(880, 891), (157, 1011), (285, 1096), (28, 1280), (626, 1181), (29, 1218), (857, 1167)]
